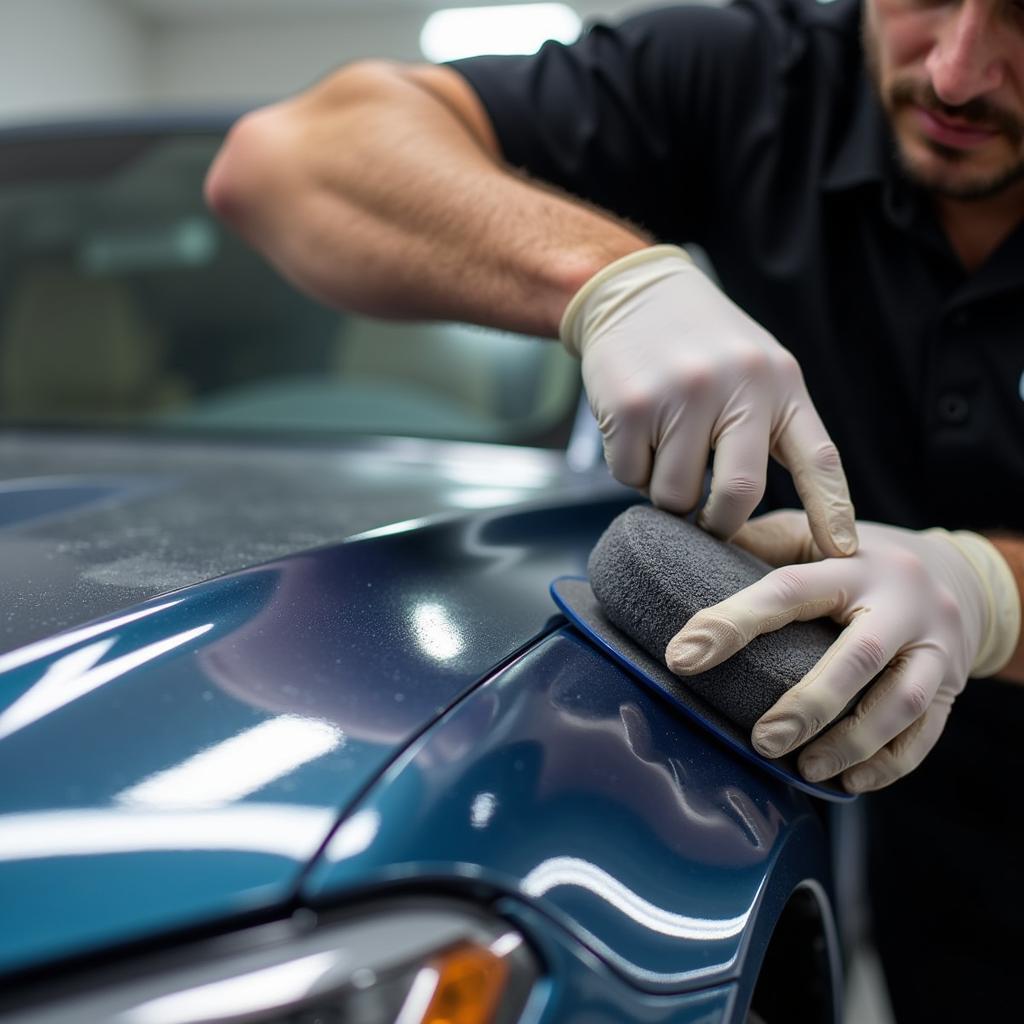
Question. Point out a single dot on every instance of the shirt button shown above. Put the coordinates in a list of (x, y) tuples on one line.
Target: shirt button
[(953, 409)]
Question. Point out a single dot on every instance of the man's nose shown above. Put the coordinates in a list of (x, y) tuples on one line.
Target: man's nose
[(966, 60)]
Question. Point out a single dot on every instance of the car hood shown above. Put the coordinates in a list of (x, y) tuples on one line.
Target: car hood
[(92, 524), (181, 761)]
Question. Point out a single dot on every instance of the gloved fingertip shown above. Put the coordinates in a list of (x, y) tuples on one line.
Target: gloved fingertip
[(775, 738), (842, 524), (836, 538), (817, 767), (860, 780), (684, 656), (845, 538), (708, 524)]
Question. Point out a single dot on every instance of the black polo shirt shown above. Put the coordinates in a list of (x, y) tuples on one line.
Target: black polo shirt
[(753, 131)]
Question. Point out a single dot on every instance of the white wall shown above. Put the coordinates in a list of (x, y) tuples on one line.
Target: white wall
[(63, 57), (67, 56), (265, 56)]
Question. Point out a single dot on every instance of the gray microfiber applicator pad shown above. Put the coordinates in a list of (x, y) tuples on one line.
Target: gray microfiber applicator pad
[(652, 570)]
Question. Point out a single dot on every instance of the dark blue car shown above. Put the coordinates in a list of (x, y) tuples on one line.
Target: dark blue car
[(291, 729)]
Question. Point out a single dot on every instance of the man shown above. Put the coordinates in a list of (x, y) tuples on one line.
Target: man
[(863, 208)]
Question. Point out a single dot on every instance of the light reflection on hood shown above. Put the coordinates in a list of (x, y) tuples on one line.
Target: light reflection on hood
[(238, 766), (76, 674), (279, 830), (561, 871)]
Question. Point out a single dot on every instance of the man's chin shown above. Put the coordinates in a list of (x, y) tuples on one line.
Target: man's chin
[(948, 173)]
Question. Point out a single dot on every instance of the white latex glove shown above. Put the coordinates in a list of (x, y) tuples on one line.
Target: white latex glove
[(673, 370), (926, 610)]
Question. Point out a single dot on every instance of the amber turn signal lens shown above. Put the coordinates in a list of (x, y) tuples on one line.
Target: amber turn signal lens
[(469, 985)]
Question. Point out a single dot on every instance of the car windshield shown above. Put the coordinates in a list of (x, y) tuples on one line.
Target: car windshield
[(124, 304)]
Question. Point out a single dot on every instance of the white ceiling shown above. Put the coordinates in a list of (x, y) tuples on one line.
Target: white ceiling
[(199, 11)]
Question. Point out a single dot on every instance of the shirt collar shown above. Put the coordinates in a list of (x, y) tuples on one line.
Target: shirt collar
[(866, 155)]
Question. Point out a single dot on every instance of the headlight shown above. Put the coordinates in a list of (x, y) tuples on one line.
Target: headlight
[(429, 962)]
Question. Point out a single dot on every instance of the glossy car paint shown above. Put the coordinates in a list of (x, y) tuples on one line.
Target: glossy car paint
[(564, 781), (185, 759)]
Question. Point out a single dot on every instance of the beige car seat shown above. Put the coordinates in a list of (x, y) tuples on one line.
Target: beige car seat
[(75, 345)]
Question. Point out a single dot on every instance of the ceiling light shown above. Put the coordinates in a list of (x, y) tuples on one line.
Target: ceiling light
[(512, 28)]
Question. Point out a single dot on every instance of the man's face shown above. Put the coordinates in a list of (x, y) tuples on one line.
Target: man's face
[(950, 74)]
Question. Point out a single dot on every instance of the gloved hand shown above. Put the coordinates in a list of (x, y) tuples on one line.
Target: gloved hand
[(926, 610), (673, 369)]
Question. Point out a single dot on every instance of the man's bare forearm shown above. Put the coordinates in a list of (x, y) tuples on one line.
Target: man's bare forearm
[(1011, 547), (374, 194)]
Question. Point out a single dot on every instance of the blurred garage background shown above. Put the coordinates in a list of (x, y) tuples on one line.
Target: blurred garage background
[(69, 56), (61, 60)]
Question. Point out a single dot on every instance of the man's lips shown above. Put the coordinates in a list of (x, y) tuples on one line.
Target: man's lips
[(955, 134)]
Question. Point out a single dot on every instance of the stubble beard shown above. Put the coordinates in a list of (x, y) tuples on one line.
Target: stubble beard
[(905, 93)]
